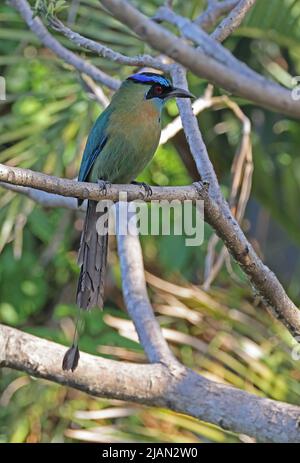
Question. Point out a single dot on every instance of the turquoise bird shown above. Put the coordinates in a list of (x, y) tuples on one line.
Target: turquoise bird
[(121, 143)]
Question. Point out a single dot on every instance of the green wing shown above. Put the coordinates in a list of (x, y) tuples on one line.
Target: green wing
[(94, 145)]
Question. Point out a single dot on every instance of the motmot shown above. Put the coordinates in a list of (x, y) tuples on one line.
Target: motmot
[(121, 143)]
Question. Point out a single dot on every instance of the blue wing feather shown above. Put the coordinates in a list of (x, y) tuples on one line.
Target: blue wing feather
[(94, 145)]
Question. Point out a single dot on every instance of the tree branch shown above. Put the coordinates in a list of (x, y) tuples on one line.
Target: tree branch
[(201, 63), (96, 376), (105, 52), (175, 126), (210, 45), (137, 301), (44, 198), (194, 138), (214, 11), (180, 390), (219, 216), (263, 279), (261, 91), (242, 170), (226, 227), (72, 188), (205, 42), (38, 28), (233, 20)]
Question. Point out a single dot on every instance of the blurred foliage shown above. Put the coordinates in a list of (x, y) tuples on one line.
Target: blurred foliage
[(224, 334)]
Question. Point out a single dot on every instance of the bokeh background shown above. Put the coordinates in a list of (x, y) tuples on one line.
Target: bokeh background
[(220, 331)]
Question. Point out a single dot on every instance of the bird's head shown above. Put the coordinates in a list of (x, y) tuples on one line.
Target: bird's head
[(154, 87)]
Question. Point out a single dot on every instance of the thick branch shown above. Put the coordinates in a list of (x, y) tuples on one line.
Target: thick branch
[(44, 198), (96, 376), (182, 390), (263, 279), (211, 47), (137, 301), (71, 188), (46, 38), (261, 91)]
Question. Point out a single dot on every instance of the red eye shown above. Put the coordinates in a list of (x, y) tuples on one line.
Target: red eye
[(158, 90)]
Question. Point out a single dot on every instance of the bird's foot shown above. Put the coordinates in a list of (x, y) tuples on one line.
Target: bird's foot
[(147, 188), (201, 187), (103, 185)]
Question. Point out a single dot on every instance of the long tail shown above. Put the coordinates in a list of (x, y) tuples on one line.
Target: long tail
[(92, 259)]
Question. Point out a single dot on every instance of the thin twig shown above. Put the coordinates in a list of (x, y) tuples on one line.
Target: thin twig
[(233, 20), (94, 91), (242, 169), (176, 125), (38, 28), (105, 52), (213, 12)]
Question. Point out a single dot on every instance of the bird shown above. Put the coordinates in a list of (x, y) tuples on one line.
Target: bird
[(121, 143)]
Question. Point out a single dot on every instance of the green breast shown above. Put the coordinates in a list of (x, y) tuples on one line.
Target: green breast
[(132, 139)]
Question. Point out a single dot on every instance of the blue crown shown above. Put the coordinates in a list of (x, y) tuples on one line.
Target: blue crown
[(150, 78)]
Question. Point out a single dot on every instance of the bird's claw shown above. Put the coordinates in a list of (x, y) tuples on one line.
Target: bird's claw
[(147, 188), (201, 187), (103, 185)]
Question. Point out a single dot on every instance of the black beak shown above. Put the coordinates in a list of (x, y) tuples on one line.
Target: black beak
[(179, 93)]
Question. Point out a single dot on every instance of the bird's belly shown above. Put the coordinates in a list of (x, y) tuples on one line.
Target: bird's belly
[(122, 160)]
